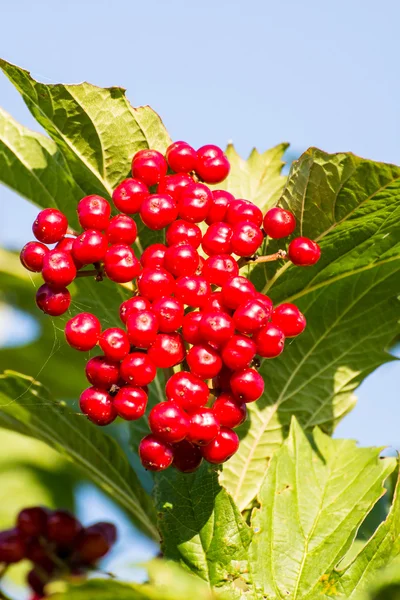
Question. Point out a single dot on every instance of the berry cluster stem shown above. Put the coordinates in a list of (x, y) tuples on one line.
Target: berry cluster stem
[(280, 255)]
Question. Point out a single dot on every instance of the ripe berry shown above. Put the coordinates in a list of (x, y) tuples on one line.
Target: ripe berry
[(168, 422), (279, 223), (155, 454), (94, 212), (237, 291), (58, 269), (121, 264), (240, 211), (220, 268), (203, 427), (50, 226), (54, 302), (115, 343), (251, 316), (265, 301), (222, 381), (204, 361), (131, 305), (32, 255), (246, 239), (137, 369), (167, 350), (98, 406), (63, 528), (187, 457), (222, 447), (217, 239), (129, 195), (195, 203), (89, 247), (130, 403), (121, 230), (212, 166), (229, 411), (149, 166), (304, 252), (181, 157), (82, 332), (153, 256), (247, 385), (181, 259), (12, 546), (155, 283), (173, 185), (92, 544), (183, 232), (158, 211), (142, 327), (193, 290), (214, 304), (190, 328), (221, 201), (289, 319), (32, 521), (169, 313), (188, 390), (102, 372), (270, 341), (238, 352), (216, 327)]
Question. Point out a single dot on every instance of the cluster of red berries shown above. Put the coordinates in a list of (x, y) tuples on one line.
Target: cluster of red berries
[(56, 543), (191, 306)]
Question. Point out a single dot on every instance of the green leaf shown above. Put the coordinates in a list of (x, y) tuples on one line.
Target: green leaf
[(350, 299), (385, 586), (315, 495), (27, 407)]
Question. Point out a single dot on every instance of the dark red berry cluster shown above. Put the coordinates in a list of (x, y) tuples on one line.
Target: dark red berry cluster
[(192, 312), (56, 543)]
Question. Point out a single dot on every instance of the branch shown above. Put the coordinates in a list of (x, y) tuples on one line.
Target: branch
[(280, 255)]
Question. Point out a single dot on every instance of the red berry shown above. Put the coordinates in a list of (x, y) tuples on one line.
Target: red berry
[(50, 226), (181, 259), (32, 255), (169, 313), (129, 195), (121, 230), (195, 203), (35, 551), (181, 157), (240, 211), (94, 212), (251, 316), (63, 528), (289, 319), (137, 369), (168, 422), (89, 247), (130, 403), (102, 372), (54, 302), (238, 352), (142, 327), (212, 166), (222, 381), (204, 361), (82, 332), (247, 385), (91, 544), (183, 232), (149, 166), (121, 264), (190, 328), (229, 411), (220, 268), (246, 239), (304, 252), (221, 201), (131, 305), (158, 211), (237, 291), (58, 269), (173, 185), (167, 350), (32, 521), (187, 457), (222, 447), (188, 390), (214, 304), (36, 583), (217, 239), (153, 256), (270, 341), (216, 327), (203, 427), (155, 283), (193, 290), (12, 546), (155, 454), (115, 343), (265, 301), (98, 406), (279, 223)]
